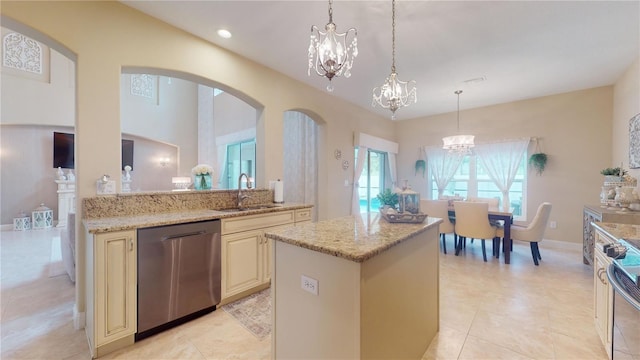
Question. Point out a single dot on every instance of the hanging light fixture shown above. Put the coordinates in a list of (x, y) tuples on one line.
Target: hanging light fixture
[(460, 144), (394, 94), (329, 54)]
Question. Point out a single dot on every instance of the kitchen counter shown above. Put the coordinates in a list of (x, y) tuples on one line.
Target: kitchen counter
[(109, 224), (355, 238), (355, 287), (619, 231)]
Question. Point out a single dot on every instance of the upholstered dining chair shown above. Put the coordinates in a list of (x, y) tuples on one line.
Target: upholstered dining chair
[(494, 203), (440, 209), (534, 232), (472, 221)]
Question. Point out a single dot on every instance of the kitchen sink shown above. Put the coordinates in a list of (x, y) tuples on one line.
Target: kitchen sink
[(251, 207)]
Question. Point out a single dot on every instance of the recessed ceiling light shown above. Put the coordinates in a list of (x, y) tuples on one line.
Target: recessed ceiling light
[(223, 33)]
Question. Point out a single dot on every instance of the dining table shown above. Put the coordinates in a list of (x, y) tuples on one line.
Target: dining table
[(507, 219)]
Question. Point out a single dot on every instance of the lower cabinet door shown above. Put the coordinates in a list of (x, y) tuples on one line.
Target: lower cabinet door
[(115, 286), (241, 262)]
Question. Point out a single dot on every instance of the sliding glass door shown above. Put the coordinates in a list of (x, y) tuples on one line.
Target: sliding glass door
[(372, 180)]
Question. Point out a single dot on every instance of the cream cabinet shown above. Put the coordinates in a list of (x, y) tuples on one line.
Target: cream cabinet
[(247, 253), (111, 291), (602, 292)]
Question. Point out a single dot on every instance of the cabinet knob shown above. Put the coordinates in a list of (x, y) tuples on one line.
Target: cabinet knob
[(130, 244)]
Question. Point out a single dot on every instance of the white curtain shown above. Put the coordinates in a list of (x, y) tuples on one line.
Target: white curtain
[(355, 199), (300, 176), (501, 160), (393, 172), (443, 165)]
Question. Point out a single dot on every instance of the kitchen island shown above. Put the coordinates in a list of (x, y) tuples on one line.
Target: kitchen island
[(355, 287)]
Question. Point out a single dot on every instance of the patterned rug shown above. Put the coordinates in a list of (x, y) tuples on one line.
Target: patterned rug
[(253, 312)]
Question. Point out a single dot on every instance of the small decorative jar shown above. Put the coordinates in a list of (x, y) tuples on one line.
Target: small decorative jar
[(21, 222), (42, 218)]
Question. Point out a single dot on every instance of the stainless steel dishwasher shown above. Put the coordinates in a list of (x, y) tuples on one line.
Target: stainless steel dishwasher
[(178, 274)]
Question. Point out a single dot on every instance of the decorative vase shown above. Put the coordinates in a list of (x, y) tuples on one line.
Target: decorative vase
[(202, 182)]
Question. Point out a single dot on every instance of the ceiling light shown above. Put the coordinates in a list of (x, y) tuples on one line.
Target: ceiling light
[(329, 54), (460, 144), (394, 94), (224, 33)]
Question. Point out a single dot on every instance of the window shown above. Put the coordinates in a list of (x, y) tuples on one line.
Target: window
[(372, 180), (240, 159), (471, 179)]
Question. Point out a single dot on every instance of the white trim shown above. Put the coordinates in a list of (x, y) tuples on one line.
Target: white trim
[(375, 143)]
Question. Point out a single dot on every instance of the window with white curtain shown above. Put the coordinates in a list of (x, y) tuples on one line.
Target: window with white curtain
[(375, 175), (472, 180)]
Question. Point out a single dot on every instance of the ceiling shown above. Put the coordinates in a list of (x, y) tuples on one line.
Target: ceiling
[(523, 49)]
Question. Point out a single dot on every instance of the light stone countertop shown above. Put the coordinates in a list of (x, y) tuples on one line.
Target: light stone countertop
[(356, 238), (109, 224), (619, 231)]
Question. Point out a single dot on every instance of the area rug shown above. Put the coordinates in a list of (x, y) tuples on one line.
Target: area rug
[(253, 312), (56, 266)]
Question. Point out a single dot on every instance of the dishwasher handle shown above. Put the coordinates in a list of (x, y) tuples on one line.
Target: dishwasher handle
[(178, 236)]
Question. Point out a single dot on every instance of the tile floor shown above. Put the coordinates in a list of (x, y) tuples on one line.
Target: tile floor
[(488, 310)]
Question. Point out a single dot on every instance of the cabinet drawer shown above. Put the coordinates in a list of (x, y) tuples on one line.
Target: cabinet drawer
[(254, 222), (303, 215)]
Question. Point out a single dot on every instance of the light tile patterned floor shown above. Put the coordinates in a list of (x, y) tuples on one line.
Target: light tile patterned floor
[(488, 310)]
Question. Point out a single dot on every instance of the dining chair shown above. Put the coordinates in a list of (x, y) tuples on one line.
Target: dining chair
[(440, 209), (472, 221), (533, 232), (494, 203)]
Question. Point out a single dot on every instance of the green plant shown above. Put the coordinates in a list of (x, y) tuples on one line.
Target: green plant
[(421, 165), (616, 171), (538, 161), (387, 197)]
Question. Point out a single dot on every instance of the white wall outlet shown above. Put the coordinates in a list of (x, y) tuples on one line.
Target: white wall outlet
[(553, 224), (309, 284)]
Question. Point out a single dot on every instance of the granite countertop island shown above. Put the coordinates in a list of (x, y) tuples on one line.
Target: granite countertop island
[(355, 238), (355, 287)]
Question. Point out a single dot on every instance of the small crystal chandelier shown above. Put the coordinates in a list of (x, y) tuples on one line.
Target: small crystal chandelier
[(328, 52), (394, 93), (460, 144)]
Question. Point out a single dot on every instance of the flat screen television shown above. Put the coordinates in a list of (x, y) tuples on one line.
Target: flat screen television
[(63, 150), (127, 153), (63, 146)]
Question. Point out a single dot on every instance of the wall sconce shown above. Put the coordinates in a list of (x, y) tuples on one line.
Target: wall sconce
[(164, 161), (181, 183)]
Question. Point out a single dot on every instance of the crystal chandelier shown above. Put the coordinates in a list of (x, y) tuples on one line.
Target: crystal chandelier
[(394, 93), (329, 54), (460, 144)]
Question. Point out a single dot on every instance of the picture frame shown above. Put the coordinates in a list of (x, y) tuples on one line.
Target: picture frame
[(634, 142)]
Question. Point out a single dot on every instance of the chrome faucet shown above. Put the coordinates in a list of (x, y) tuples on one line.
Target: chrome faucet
[(240, 196)]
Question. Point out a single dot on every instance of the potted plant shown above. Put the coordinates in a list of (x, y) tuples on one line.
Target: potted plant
[(421, 165), (613, 174), (538, 161), (388, 199)]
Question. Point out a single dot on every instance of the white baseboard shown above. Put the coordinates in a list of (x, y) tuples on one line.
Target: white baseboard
[(79, 319)]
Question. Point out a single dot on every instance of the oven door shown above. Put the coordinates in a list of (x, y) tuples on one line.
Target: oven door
[(626, 315)]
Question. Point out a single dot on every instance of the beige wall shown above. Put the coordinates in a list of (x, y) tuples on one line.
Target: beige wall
[(574, 130), (626, 100)]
